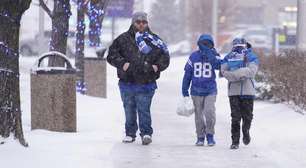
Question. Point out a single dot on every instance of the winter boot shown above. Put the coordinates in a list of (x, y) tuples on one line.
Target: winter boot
[(246, 138), (200, 142), (128, 139), (146, 140), (234, 146), (210, 140)]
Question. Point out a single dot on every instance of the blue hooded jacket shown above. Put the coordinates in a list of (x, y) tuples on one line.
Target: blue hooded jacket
[(200, 70), (238, 58)]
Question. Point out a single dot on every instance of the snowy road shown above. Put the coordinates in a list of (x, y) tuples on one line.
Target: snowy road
[(279, 136)]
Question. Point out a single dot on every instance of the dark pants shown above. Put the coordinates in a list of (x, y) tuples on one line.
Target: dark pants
[(137, 103), (241, 109)]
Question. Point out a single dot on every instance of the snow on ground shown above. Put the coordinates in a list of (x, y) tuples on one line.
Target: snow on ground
[(279, 138)]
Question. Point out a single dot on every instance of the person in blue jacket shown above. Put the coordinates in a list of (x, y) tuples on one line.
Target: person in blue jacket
[(239, 67), (200, 73)]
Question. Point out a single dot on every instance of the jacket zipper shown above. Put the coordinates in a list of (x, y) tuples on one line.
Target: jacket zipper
[(252, 83), (241, 91)]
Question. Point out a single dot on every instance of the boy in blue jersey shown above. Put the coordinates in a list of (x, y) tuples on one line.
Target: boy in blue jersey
[(200, 73), (239, 67)]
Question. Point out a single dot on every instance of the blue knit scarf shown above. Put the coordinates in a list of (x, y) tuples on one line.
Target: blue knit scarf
[(156, 41)]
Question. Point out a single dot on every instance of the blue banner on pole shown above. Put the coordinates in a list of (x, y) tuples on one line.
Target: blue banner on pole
[(120, 8)]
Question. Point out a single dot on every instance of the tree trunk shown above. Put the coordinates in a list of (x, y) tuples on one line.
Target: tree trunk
[(60, 28), (10, 112), (80, 37), (96, 16), (199, 12)]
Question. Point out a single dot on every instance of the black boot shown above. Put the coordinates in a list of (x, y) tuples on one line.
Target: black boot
[(247, 117), (246, 137), (234, 146), (235, 142)]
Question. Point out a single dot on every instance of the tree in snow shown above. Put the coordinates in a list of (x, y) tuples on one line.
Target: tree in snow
[(165, 20), (199, 13), (11, 12), (60, 27), (198, 16), (96, 15), (80, 38)]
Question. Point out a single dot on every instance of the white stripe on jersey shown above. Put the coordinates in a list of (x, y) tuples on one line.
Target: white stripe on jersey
[(190, 63)]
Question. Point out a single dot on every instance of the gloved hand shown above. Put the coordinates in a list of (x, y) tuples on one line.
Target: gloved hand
[(143, 47), (236, 61), (212, 54), (185, 94)]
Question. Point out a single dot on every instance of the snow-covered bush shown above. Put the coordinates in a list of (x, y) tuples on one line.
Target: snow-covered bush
[(263, 88), (283, 78)]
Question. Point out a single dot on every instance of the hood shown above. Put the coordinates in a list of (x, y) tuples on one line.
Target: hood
[(206, 37)]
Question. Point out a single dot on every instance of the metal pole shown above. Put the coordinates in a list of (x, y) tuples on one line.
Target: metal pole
[(301, 26), (41, 29), (215, 21), (113, 28), (276, 49)]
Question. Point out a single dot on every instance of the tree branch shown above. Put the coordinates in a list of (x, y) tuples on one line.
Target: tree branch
[(106, 2), (45, 7), (86, 2), (25, 4)]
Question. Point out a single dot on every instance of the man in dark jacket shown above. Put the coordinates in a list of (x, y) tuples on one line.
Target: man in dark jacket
[(139, 56)]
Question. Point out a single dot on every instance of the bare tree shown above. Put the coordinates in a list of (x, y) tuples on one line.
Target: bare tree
[(10, 111), (200, 14), (60, 28), (166, 21), (227, 10)]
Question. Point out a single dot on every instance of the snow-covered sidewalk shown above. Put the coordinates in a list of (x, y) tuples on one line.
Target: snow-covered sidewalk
[(279, 138)]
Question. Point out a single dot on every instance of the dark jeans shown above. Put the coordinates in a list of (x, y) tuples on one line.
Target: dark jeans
[(241, 109), (137, 103)]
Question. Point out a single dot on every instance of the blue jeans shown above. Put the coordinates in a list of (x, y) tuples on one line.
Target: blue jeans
[(137, 103)]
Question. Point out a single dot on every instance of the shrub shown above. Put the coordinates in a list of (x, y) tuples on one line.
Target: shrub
[(283, 78)]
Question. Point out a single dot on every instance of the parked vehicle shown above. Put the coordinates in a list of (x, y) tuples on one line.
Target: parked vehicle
[(35, 46), (260, 38)]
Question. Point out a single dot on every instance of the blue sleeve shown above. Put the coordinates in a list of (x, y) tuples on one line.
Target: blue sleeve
[(252, 58), (225, 60), (216, 63), (228, 56), (187, 78), (215, 59)]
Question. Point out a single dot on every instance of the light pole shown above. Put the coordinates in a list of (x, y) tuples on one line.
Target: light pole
[(215, 21), (41, 29), (301, 25)]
